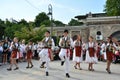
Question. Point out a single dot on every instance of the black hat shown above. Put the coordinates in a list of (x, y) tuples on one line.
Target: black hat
[(65, 31)]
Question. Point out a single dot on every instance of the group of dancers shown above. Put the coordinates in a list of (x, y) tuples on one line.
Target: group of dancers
[(65, 43)]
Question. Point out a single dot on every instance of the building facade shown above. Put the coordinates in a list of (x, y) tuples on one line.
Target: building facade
[(97, 25)]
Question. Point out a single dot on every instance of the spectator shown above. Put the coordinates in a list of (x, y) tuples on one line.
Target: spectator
[(1, 50)]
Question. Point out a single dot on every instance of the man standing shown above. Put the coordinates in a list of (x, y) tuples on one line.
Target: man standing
[(65, 44), (45, 53)]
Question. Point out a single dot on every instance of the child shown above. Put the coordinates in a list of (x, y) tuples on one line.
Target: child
[(29, 49)]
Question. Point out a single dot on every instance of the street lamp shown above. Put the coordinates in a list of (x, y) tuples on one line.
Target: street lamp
[(51, 16)]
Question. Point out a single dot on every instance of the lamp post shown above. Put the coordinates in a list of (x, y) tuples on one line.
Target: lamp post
[(51, 17)]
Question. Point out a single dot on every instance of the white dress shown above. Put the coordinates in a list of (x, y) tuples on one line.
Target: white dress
[(88, 58), (77, 58)]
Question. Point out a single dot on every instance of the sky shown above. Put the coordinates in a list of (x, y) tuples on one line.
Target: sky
[(63, 10)]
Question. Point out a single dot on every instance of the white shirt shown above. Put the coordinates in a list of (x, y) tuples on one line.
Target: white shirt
[(71, 41)]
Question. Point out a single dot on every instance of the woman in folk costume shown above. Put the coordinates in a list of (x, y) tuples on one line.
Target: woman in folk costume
[(45, 53), (77, 53), (14, 47), (110, 47), (91, 57), (23, 47), (29, 54), (65, 43)]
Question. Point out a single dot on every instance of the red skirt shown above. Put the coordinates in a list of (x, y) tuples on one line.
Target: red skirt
[(29, 54), (14, 54), (78, 51), (91, 52), (109, 55)]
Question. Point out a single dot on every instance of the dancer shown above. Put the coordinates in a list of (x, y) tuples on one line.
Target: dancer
[(45, 53), (29, 49), (14, 48), (90, 54), (109, 52), (65, 43), (77, 54)]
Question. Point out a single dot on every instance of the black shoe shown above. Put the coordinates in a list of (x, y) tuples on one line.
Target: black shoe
[(31, 66), (75, 67), (67, 75), (41, 66), (47, 74), (9, 69), (27, 67), (109, 72), (62, 63), (16, 68)]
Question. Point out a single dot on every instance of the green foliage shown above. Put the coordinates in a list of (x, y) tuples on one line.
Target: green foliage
[(112, 7), (74, 22), (29, 33), (40, 19), (58, 23), (23, 21), (9, 31), (25, 30), (2, 28)]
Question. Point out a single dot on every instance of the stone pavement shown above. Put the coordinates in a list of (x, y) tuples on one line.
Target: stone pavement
[(57, 72)]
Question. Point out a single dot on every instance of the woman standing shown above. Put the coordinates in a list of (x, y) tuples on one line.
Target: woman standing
[(29, 49), (109, 52), (77, 54), (91, 54), (5, 51)]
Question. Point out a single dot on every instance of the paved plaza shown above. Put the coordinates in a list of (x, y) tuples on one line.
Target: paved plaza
[(56, 72)]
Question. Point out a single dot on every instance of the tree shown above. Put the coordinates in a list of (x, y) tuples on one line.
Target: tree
[(2, 28), (23, 21), (112, 7), (30, 33), (10, 30), (58, 23), (74, 22), (40, 19)]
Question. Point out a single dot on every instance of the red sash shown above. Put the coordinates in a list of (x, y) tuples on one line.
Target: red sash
[(78, 51), (49, 53)]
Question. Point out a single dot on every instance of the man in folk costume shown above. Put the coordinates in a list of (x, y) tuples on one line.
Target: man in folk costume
[(91, 56), (110, 47), (14, 55), (45, 53), (77, 54), (65, 43)]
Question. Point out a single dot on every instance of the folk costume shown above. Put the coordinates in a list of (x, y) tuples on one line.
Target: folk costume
[(91, 56), (45, 53), (29, 55), (77, 53), (65, 43), (14, 55)]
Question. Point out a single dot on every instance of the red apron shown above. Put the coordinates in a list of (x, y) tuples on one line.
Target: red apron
[(29, 54), (91, 51), (109, 55), (14, 53), (78, 51)]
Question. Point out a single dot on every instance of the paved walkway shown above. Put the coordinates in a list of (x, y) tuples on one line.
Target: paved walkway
[(57, 72)]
